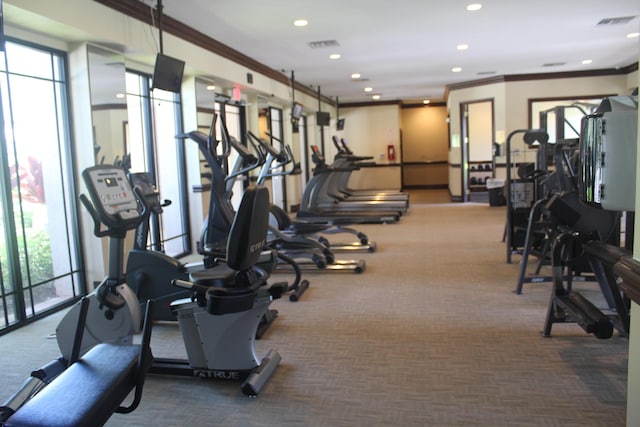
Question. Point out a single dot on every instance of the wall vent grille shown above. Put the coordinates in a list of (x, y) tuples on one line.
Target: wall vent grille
[(616, 21), (323, 44)]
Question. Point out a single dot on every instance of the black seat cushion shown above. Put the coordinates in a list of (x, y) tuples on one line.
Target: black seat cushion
[(85, 394), (220, 276)]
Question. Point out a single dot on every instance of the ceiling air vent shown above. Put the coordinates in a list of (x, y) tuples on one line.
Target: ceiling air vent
[(323, 43), (616, 21), (554, 64), (486, 73)]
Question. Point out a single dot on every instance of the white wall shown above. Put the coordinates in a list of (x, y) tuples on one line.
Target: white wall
[(368, 131), (511, 108), (425, 138), (480, 132), (495, 91), (633, 375)]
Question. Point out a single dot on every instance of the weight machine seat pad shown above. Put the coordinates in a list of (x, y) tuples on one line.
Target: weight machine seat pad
[(86, 393), (609, 254)]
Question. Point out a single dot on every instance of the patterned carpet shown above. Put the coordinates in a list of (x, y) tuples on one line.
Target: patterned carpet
[(430, 334)]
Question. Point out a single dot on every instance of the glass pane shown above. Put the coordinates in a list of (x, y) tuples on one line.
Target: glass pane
[(40, 227), (159, 94), (134, 85), (277, 182), (232, 114), (166, 149), (136, 133), (164, 115), (65, 165), (7, 312), (58, 69), (36, 132), (7, 306), (29, 61)]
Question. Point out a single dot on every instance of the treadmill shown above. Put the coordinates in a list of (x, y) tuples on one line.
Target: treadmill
[(345, 158), (323, 189), (312, 210)]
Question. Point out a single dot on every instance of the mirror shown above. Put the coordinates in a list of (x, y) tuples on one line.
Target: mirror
[(107, 86), (568, 124)]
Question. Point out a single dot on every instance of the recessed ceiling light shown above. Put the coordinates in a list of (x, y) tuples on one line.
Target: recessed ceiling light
[(473, 7), (368, 89), (335, 56), (426, 101), (456, 69), (355, 76), (120, 95), (300, 22), (462, 46), (633, 35), (376, 97), (211, 87), (587, 62)]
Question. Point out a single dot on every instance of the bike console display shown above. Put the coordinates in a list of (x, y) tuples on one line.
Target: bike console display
[(114, 201)]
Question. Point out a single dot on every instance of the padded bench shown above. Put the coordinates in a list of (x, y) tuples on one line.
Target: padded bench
[(89, 391)]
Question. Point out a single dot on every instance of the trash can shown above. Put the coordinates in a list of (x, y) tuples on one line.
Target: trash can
[(495, 187)]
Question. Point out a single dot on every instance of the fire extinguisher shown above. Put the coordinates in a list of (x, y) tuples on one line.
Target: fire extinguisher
[(391, 152)]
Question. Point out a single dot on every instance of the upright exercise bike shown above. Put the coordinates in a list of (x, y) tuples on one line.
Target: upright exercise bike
[(95, 336), (117, 315)]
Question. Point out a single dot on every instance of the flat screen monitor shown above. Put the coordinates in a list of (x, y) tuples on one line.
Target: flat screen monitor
[(167, 73), (296, 110), (323, 118)]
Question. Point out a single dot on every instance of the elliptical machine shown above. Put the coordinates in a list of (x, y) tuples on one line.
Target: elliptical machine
[(149, 273), (310, 228)]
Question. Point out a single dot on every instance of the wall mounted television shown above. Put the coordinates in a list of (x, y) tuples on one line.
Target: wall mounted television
[(323, 118), (167, 73), (296, 111)]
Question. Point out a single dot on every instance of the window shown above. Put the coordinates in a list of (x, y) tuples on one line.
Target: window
[(278, 183), (154, 120), (39, 247)]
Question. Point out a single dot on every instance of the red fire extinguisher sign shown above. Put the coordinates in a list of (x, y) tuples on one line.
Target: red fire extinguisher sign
[(391, 152)]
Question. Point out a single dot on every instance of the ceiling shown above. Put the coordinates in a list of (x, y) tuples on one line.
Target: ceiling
[(406, 49)]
